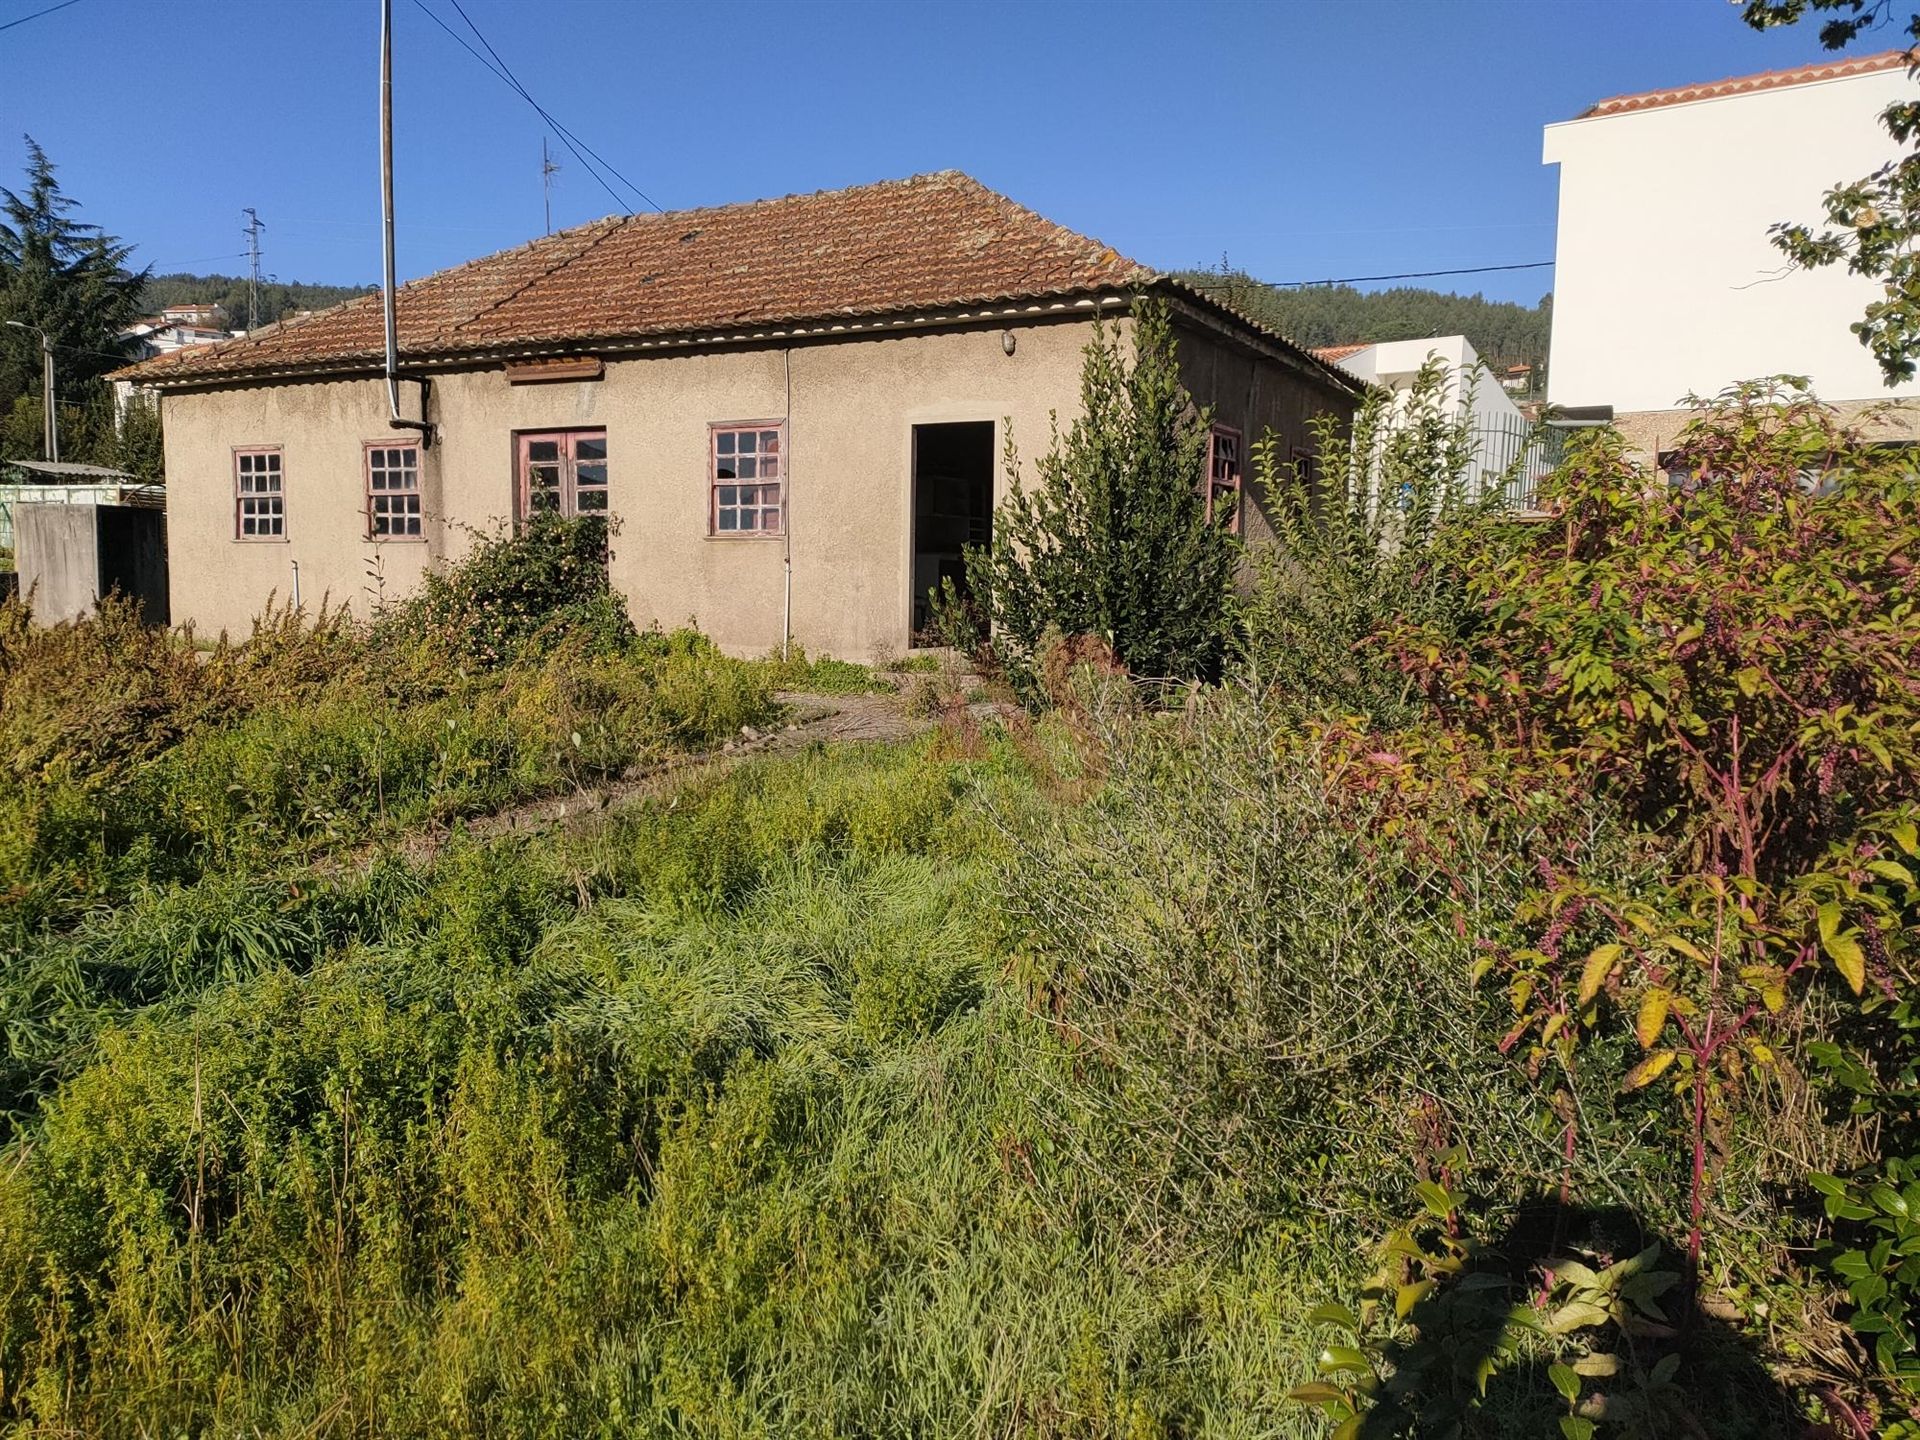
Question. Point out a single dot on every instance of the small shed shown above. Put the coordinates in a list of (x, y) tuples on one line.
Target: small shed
[(58, 482), (73, 556)]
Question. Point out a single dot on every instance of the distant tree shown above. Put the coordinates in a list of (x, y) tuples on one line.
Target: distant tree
[(68, 278), (278, 300), (137, 440), (1503, 332), (1871, 224), (1115, 542)]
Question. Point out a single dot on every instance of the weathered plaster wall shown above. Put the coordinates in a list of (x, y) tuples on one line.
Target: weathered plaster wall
[(1254, 394), (853, 406), (854, 403)]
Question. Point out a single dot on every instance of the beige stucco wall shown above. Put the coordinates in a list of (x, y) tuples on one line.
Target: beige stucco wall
[(854, 403)]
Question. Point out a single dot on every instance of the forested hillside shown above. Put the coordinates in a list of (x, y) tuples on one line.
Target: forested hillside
[(276, 301), (1504, 333)]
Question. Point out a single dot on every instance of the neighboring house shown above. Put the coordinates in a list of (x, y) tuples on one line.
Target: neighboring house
[(794, 410), (1501, 434), (201, 313), (162, 334), (1517, 379), (159, 335), (1666, 284)]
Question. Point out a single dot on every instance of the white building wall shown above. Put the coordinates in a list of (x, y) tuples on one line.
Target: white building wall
[(1475, 393), (1666, 282)]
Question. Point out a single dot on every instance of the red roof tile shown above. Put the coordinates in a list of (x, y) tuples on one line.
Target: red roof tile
[(1747, 84), (1334, 354), (929, 242)]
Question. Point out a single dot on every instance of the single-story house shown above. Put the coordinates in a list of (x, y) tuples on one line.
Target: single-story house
[(793, 409)]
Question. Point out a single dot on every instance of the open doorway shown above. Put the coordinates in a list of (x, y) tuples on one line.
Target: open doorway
[(952, 508)]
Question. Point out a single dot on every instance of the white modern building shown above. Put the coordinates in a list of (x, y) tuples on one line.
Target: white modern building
[(1666, 282), (1501, 433)]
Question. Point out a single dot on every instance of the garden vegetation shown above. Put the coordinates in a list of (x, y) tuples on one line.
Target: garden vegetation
[(1488, 1009)]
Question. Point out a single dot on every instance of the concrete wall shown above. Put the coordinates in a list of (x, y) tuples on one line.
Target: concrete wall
[(854, 403), (58, 554), (1666, 283)]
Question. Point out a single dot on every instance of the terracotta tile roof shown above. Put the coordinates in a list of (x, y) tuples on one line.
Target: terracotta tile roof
[(1334, 354), (929, 242), (1747, 84)]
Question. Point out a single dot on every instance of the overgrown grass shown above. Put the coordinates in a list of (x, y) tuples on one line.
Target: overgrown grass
[(137, 758), (1034, 1080)]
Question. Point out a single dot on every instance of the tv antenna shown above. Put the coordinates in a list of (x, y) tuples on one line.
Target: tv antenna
[(549, 167)]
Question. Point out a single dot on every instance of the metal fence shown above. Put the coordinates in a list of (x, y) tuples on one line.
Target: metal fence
[(1514, 454)]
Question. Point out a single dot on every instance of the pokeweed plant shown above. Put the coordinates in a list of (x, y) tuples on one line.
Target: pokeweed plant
[(1729, 654), (1447, 1312)]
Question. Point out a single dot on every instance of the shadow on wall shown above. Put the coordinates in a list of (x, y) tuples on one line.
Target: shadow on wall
[(1643, 1358)]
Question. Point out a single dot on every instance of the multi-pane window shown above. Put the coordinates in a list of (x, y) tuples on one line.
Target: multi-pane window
[(259, 495), (563, 472), (749, 465), (393, 491), (1223, 477)]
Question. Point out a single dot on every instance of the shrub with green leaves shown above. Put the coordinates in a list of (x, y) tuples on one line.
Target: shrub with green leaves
[(1114, 541), (518, 592), (1382, 535)]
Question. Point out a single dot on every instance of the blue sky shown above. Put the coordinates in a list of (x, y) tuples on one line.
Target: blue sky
[(1302, 139)]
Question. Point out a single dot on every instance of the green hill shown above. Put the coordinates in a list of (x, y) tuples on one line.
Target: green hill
[(1504, 333), (277, 301)]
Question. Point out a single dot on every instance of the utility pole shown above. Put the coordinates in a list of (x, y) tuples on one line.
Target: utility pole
[(49, 420), (547, 171), (252, 230)]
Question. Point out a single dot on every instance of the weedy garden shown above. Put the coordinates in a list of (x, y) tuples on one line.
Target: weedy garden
[(1457, 979)]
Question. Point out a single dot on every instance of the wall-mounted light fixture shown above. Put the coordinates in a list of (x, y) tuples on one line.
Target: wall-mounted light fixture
[(1006, 341)]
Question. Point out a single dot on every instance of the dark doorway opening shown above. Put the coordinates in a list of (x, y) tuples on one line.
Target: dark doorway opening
[(952, 508)]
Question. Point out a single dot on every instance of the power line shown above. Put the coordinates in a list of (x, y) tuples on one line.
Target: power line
[(506, 76), (38, 13), (566, 135), (573, 142), (1364, 279)]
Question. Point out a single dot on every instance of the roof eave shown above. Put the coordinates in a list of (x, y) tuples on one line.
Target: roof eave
[(1055, 305), (1301, 359)]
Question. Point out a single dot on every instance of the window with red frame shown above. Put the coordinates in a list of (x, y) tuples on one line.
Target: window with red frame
[(1223, 476), (748, 472), (259, 495), (562, 472), (393, 492)]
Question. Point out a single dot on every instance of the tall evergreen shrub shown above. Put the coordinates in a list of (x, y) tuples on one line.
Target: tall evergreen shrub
[(1115, 541)]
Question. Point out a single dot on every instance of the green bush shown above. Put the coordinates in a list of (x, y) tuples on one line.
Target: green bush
[(517, 594), (1114, 542), (1384, 534)]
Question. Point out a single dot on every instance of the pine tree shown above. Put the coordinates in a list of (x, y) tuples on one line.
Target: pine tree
[(1115, 542), (68, 278)]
